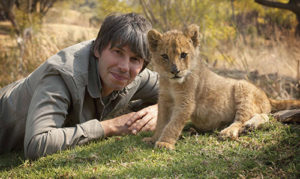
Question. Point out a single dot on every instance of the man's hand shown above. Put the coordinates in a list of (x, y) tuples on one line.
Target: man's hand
[(116, 126), (143, 120), (131, 123)]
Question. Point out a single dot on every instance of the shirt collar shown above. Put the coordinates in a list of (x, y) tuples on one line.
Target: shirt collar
[(94, 84)]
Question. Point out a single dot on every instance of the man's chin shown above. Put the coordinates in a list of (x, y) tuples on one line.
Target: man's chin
[(120, 87)]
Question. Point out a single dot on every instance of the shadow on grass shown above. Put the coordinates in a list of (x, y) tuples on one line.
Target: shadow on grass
[(100, 152), (283, 157), (11, 160), (274, 154)]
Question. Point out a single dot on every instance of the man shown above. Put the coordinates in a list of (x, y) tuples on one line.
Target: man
[(64, 101)]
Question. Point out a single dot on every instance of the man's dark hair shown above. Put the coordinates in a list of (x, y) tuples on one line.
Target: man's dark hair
[(126, 29)]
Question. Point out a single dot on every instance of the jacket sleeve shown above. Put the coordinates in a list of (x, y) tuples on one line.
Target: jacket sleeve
[(44, 133), (148, 87)]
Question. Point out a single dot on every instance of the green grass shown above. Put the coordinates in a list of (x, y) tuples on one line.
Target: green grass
[(271, 152)]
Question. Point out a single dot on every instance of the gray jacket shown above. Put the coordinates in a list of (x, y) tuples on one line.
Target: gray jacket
[(59, 105)]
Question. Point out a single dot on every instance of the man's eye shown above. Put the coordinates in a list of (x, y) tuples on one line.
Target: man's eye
[(183, 55), (165, 56), (135, 59), (118, 51)]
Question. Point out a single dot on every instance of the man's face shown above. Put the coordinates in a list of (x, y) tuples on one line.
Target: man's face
[(118, 66)]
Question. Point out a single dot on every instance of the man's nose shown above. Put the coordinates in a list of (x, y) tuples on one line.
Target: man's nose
[(124, 64)]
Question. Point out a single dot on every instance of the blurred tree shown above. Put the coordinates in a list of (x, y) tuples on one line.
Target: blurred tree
[(6, 10), (36, 6), (291, 5), (24, 15), (10, 9)]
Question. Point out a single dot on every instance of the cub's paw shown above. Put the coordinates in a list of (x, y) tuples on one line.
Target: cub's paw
[(256, 121), (165, 145), (231, 132), (149, 140)]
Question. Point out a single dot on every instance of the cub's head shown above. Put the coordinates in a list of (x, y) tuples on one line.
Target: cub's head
[(174, 52)]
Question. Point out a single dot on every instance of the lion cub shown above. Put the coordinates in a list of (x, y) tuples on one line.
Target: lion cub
[(189, 90)]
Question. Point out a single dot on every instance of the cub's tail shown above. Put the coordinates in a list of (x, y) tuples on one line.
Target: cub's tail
[(278, 105)]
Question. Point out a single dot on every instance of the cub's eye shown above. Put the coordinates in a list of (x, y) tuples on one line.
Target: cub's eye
[(165, 56), (183, 55)]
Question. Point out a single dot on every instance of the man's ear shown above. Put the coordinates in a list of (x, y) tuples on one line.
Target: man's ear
[(153, 37), (192, 31), (96, 53)]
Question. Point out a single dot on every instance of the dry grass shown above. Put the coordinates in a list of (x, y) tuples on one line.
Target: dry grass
[(65, 34), (67, 16), (40, 46), (265, 56), (271, 64)]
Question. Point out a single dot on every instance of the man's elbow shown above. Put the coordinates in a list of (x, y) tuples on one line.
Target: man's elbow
[(37, 147)]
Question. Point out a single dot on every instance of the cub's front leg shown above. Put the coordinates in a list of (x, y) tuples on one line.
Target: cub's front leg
[(164, 106), (181, 113)]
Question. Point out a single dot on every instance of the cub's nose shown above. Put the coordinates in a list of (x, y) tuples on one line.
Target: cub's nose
[(174, 69)]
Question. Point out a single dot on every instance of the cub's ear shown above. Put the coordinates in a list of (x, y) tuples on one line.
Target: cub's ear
[(153, 37), (192, 31)]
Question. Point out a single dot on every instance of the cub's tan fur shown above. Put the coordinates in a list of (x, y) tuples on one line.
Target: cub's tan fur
[(189, 90)]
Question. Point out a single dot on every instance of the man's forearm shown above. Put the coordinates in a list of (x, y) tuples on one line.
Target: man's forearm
[(61, 138)]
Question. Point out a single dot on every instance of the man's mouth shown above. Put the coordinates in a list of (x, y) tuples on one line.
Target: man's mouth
[(119, 77)]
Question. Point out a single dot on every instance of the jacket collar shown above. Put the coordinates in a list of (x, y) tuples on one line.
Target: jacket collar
[(94, 84)]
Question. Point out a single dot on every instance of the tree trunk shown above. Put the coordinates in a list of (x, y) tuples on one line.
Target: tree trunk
[(292, 5), (8, 10), (297, 30), (232, 10)]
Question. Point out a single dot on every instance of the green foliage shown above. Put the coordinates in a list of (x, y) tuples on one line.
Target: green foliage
[(272, 152), (279, 17), (105, 7)]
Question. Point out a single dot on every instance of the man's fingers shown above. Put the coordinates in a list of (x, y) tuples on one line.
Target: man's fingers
[(140, 121), (138, 125), (135, 117), (150, 126)]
